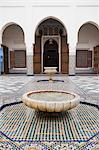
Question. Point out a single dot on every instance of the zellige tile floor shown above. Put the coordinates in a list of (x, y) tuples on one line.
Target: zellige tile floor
[(22, 128)]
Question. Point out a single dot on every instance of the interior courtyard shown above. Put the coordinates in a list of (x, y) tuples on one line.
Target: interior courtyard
[(49, 46), (22, 127)]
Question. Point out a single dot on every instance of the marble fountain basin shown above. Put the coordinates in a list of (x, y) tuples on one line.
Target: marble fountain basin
[(51, 100)]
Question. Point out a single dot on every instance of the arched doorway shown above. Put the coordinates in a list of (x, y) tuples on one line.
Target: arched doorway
[(51, 48), (14, 49), (51, 55), (88, 39)]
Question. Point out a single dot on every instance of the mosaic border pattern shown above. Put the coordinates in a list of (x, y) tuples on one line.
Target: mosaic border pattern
[(8, 143), (57, 117)]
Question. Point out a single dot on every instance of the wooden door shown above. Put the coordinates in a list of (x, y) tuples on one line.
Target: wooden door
[(19, 58), (96, 59), (37, 55), (83, 58), (64, 55)]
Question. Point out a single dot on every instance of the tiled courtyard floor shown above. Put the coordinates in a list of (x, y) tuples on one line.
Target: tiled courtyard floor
[(22, 128)]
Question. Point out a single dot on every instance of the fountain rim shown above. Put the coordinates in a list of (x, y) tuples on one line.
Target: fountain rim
[(26, 95)]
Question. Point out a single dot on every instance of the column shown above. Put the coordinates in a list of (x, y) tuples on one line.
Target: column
[(72, 39), (29, 38), (29, 58), (72, 59)]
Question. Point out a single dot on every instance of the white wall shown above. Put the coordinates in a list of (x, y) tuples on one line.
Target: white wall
[(28, 14)]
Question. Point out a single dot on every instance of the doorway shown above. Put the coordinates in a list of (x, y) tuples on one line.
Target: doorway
[(51, 55), (5, 60), (51, 48)]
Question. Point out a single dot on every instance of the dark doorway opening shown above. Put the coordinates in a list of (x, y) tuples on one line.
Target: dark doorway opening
[(5, 60), (51, 55)]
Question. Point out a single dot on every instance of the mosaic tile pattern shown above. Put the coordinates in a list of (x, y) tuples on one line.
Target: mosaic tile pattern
[(6, 144), (81, 121), (21, 123)]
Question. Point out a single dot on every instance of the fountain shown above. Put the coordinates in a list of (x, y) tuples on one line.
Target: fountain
[(50, 71), (51, 100)]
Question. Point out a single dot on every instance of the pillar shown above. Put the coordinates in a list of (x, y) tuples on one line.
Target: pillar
[(72, 60), (72, 52), (29, 58), (72, 39), (29, 39)]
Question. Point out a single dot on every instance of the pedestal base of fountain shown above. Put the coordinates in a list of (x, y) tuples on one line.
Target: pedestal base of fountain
[(50, 71)]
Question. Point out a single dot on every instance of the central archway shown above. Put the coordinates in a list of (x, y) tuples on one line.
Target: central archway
[(51, 48), (51, 55)]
